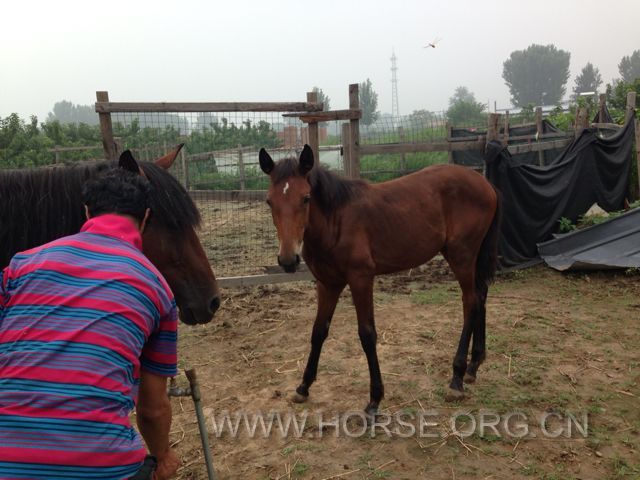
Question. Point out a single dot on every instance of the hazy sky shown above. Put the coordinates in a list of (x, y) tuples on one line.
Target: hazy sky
[(237, 50)]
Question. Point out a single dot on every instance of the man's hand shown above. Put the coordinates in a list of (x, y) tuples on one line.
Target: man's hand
[(153, 414), (167, 465)]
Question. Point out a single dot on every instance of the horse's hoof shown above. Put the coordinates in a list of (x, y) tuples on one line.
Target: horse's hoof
[(453, 395), (469, 378), (297, 398), (371, 412)]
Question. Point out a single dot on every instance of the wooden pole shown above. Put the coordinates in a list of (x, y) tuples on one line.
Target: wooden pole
[(631, 102), (346, 150), (314, 143), (354, 131), (602, 103), (581, 121), (449, 140), (57, 160), (106, 128), (539, 133), (492, 126), (241, 172), (185, 167), (505, 138)]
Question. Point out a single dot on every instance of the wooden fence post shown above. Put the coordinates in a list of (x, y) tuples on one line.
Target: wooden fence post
[(631, 102), (582, 121), (449, 141), (602, 104), (57, 152), (185, 168), (346, 150), (314, 143), (241, 172), (539, 132), (354, 131), (106, 128), (492, 126), (505, 137)]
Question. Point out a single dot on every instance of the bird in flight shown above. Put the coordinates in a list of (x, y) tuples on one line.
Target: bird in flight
[(433, 43)]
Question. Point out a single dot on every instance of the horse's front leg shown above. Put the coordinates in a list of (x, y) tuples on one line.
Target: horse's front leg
[(327, 301), (362, 293)]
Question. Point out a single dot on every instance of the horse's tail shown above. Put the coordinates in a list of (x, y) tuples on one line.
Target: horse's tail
[(487, 261)]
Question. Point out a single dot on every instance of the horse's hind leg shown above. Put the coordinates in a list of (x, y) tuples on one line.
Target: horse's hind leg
[(327, 301), (478, 350), (465, 273), (362, 293)]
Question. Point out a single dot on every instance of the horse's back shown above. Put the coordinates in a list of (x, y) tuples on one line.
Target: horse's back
[(446, 183)]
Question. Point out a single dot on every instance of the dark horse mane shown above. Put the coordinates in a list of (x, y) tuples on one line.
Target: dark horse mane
[(39, 205), (328, 189)]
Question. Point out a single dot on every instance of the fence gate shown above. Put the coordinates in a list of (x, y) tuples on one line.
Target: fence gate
[(219, 167)]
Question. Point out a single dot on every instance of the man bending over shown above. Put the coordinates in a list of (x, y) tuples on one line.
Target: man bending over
[(87, 334)]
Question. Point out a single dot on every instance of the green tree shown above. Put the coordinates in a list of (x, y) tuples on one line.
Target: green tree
[(463, 108), (368, 102), (22, 144), (537, 75), (67, 112), (629, 67), (589, 80), (322, 98), (617, 97)]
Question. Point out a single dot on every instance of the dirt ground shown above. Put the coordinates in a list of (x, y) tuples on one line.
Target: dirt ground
[(557, 344)]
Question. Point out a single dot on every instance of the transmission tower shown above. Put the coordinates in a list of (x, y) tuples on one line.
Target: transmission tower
[(395, 109)]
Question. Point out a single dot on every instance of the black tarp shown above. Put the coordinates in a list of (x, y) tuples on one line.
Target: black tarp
[(614, 243), (590, 170), (474, 158), (606, 117)]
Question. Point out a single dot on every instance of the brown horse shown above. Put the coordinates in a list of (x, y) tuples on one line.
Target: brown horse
[(349, 231), (40, 205)]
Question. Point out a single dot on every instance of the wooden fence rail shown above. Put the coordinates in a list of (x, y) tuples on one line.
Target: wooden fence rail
[(311, 112)]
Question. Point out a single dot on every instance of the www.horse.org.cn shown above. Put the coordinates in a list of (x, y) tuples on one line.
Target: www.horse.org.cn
[(430, 424)]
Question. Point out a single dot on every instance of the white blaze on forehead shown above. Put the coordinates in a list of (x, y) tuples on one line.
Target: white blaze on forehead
[(286, 187)]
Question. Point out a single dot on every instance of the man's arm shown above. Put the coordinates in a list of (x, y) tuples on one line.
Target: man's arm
[(153, 414)]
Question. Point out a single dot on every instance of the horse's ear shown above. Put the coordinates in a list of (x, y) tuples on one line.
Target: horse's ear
[(127, 162), (167, 160), (306, 160), (266, 162)]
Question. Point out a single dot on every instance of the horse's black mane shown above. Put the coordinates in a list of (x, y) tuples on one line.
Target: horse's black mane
[(328, 189), (39, 205)]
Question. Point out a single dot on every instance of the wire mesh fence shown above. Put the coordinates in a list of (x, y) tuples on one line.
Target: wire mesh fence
[(420, 126), (219, 166)]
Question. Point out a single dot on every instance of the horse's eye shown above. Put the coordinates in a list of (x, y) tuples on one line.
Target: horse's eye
[(306, 199)]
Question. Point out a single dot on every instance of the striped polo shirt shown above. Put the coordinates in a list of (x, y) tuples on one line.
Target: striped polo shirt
[(79, 318)]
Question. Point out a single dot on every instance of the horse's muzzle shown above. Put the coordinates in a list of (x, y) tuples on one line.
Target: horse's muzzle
[(291, 265), (196, 316)]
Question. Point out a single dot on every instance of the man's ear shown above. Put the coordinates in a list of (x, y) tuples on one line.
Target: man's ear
[(86, 212)]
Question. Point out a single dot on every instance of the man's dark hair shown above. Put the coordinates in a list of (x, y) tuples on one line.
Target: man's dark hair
[(117, 191)]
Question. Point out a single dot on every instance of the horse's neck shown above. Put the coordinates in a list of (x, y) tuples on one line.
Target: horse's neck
[(322, 231), (39, 221)]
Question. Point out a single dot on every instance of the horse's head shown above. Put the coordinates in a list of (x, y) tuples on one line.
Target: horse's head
[(288, 196), (172, 244)]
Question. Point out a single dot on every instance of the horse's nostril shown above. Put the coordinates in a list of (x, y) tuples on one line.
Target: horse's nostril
[(298, 259), (215, 304)]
